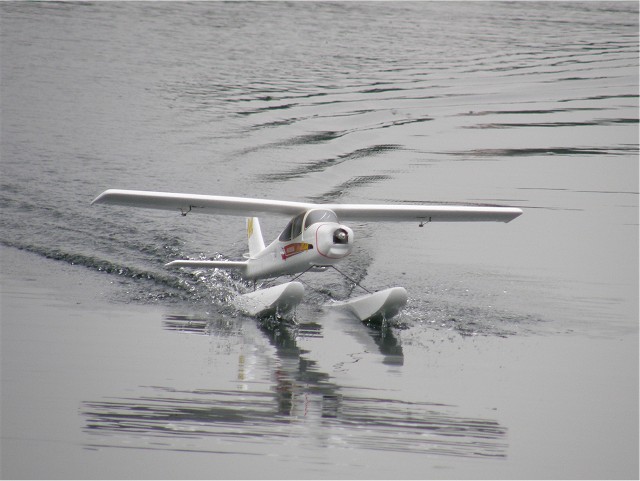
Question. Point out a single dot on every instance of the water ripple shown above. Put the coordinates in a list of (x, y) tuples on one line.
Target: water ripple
[(266, 416)]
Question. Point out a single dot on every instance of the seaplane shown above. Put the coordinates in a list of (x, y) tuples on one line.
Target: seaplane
[(314, 240)]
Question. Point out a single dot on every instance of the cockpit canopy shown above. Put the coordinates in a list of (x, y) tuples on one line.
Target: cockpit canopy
[(302, 222)]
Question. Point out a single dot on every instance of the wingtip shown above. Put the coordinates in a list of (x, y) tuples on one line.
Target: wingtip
[(516, 212), (108, 196), (99, 199)]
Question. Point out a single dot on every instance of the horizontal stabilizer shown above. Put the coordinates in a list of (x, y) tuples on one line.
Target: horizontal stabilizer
[(237, 265)]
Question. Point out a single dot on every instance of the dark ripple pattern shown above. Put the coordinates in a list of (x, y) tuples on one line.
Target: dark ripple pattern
[(268, 417)]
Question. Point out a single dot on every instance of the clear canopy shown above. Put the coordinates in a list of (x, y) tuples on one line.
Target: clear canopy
[(303, 221)]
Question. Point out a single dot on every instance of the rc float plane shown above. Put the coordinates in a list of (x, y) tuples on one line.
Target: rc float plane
[(314, 240)]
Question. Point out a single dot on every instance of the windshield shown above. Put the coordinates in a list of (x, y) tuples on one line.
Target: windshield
[(293, 229), (315, 216), (295, 226)]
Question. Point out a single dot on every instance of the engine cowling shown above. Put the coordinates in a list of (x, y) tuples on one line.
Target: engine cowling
[(334, 241)]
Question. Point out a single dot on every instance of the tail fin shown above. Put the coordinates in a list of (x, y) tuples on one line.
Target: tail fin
[(254, 234)]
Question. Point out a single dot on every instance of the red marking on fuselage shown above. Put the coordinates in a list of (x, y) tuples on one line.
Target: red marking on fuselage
[(294, 249)]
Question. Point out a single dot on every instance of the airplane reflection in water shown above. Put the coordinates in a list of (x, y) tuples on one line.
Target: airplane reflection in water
[(303, 402)]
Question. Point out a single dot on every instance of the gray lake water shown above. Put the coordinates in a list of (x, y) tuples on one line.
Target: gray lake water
[(517, 355)]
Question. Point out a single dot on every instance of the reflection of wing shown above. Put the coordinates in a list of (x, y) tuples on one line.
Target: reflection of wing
[(212, 204)]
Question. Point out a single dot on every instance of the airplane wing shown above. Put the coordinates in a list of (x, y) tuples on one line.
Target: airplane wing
[(246, 207), (423, 213), (206, 204)]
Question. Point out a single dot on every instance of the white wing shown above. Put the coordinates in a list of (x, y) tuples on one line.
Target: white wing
[(423, 213), (206, 204), (240, 206)]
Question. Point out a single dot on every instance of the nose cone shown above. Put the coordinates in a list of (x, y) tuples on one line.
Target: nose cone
[(334, 241), (340, 236)]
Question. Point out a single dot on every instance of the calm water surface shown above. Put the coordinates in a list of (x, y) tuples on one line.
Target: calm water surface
[(517, 355)]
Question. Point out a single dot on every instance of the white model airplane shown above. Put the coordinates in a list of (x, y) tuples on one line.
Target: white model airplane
[(313, 240)]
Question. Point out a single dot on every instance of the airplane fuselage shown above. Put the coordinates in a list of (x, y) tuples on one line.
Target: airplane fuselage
[(312, 239)]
